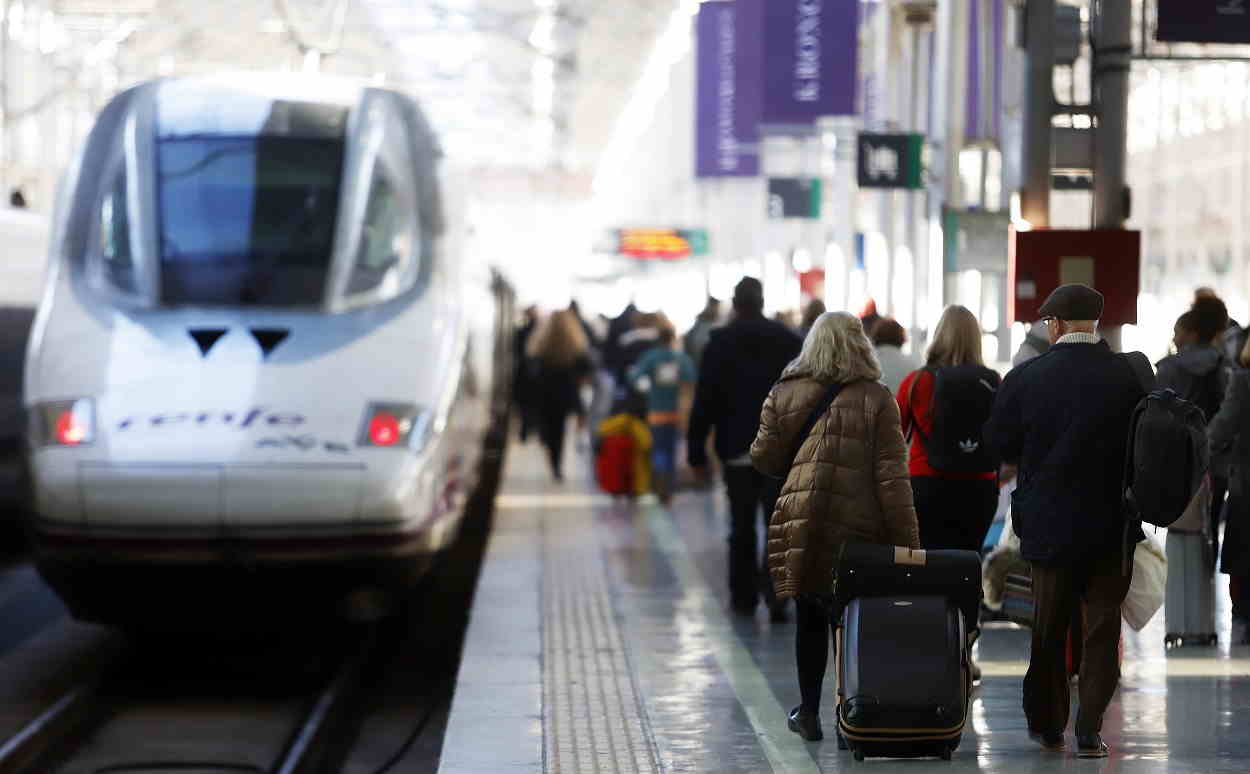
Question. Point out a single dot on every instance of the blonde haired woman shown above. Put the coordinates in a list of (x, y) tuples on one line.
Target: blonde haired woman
[(560, 352), (845, 481), (956, 491)]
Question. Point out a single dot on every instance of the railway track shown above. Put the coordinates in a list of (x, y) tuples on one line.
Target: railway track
[(61, 738), (151, 709)]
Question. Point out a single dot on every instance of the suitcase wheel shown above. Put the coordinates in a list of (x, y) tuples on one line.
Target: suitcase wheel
[(859, 755), (842, 745), (1174, 640), (946, 753)]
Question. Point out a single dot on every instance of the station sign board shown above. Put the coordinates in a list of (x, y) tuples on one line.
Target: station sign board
[(727, 98), (660, 243), (890, 160), (807, 52), (794, 197), (1203, 21)]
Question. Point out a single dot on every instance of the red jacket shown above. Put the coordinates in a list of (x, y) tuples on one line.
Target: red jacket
[(914, 406)]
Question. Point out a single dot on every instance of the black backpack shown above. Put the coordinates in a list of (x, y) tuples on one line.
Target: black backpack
[(1167, 457), (963, 397)]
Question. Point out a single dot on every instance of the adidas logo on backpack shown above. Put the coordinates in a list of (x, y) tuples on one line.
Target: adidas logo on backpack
[(963, 397)]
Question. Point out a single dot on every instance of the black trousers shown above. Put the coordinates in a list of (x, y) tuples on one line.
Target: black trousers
[(954, 514), (750, 494), (1058, 592), (551, 424), (1239, 592), (811, 649), (1219, 491)]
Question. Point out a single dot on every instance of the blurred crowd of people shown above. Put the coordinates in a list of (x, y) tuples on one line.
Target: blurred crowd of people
[(825, 428)]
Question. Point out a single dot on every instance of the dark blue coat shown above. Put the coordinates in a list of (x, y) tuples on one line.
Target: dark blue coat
[(741, 363), (1063, 418), (1229, 432)]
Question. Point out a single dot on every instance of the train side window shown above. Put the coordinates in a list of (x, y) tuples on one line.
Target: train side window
[(116, 258), (386, 240)]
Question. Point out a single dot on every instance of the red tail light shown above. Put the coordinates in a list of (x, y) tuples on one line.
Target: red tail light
[(69, 431), (384, 429), (64, 422), (394, 425)]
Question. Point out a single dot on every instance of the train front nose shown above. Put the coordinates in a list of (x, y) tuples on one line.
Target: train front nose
[(101, 464)]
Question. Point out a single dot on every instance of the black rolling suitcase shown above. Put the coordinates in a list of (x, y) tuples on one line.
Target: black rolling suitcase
[(905, 631)]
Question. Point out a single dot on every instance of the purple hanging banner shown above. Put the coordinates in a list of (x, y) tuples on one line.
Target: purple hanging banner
[(726, 127), (810, 56)]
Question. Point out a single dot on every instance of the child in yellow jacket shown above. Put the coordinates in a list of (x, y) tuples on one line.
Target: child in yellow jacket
[(623, 459)]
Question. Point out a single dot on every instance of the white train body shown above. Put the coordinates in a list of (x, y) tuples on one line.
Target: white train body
[(258, 341)]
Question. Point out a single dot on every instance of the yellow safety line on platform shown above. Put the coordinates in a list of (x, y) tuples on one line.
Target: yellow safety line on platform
[(785, 750)]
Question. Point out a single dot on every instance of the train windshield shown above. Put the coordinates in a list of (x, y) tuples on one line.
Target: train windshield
[(248, 206)]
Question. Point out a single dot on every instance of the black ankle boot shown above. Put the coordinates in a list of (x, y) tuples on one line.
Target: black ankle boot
[(805, 724), (1091, 746)]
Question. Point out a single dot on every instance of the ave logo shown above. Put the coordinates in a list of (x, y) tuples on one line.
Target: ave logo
[(302, 443)]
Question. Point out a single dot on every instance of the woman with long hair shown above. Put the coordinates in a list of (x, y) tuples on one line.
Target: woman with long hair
[(560, 352), (955, 503), (845, 481)]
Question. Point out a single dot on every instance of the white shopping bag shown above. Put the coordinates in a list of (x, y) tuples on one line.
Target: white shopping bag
[(1150, 580), (1008, 540)]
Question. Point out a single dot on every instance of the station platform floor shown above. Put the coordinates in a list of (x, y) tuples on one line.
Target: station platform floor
[(601, 640)]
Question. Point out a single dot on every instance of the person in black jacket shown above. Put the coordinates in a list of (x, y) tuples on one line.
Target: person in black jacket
[(613, 352), (523, 372), (1228, 438), (1200, 374), (1063, 420), (741, 363)]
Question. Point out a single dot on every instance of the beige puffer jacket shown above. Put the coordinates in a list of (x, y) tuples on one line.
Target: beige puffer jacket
[(849, 480)]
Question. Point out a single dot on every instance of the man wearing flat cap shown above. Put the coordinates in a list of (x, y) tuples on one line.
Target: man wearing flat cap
[(1063, 420)]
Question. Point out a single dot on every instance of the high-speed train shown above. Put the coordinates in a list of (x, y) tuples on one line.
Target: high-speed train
[(260, 343)]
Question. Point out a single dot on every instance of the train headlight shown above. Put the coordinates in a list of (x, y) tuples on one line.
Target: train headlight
[(400, 425), (65, 422)]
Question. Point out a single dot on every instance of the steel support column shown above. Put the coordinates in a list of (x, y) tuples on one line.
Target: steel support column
[(1039, 105), (1113, 49)]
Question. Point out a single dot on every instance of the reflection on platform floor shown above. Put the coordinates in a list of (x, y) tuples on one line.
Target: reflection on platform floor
[(639, 666)]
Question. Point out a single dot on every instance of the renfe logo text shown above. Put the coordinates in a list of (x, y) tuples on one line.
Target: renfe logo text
[(240, 420)]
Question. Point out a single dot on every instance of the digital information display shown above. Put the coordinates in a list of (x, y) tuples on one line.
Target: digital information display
[(661, 243)]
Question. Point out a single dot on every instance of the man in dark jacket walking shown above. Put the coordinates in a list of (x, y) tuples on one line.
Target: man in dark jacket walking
[(1063, 419), (741, 363)]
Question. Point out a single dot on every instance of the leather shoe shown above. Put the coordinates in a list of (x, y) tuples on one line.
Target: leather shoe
[(1091, 746), (1048, 742), (805, 725)]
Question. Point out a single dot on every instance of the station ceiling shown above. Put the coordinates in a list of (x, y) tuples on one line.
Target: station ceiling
[(530, 84)]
